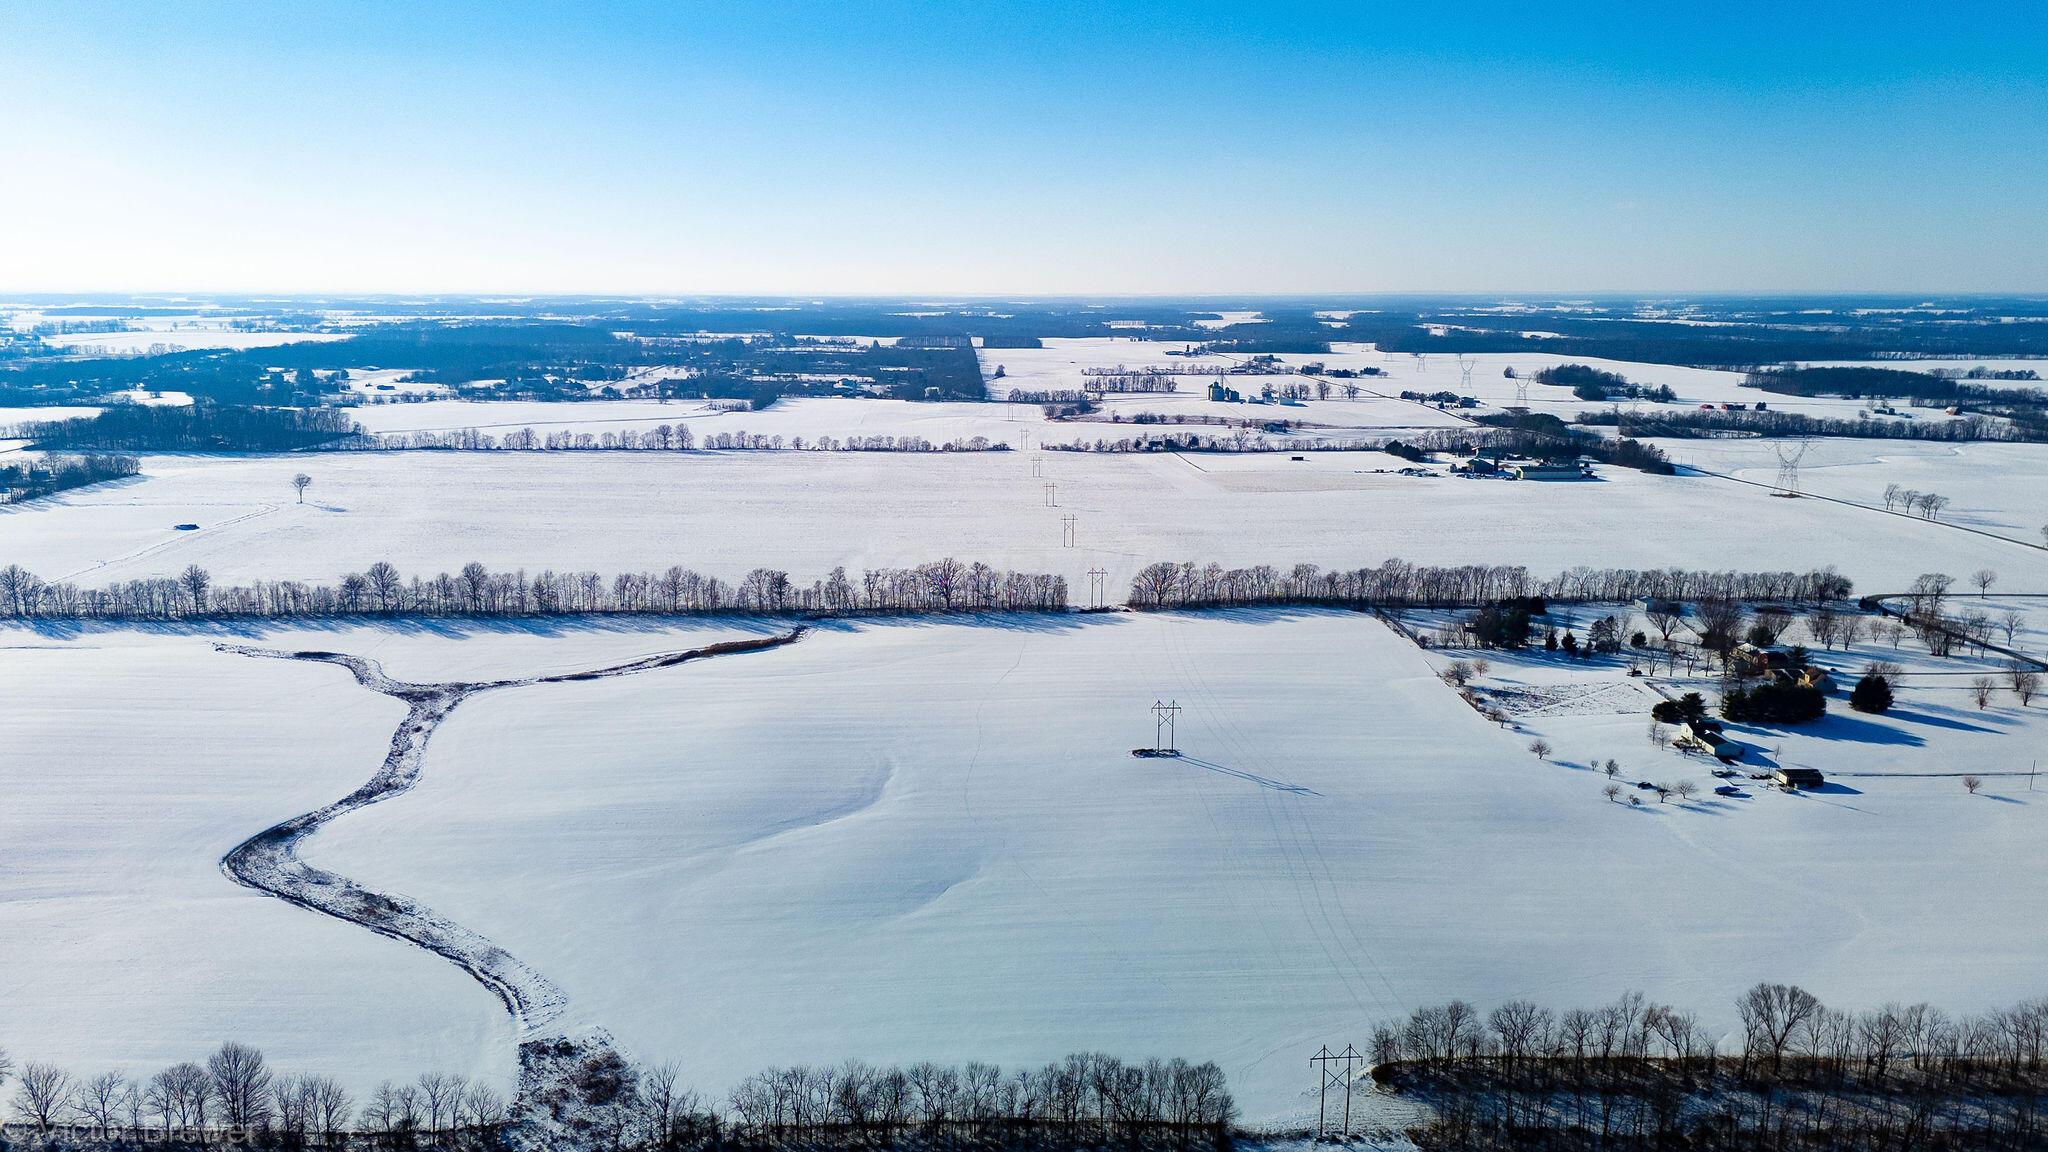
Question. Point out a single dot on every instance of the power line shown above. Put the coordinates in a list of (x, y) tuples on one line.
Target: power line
[(1788, 466), (1164, 715), (1328, 1077)]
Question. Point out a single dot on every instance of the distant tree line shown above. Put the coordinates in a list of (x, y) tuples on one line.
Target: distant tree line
[(941, 586), (1635, 1074), (1877, 383), (606, 1101), (1680, 424), (1400, 584), (197, 427), (1980, 372), (1086, 1099), (27, 479), (661, 438)]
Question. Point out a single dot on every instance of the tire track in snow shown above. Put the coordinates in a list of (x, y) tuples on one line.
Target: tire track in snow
[(182, 538), (269, 861)]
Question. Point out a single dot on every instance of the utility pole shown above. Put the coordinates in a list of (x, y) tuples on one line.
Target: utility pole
[(1163, 717), (1330, 1076), (1067, 533), (1037, 466), (1052, 495), (1096, 576)]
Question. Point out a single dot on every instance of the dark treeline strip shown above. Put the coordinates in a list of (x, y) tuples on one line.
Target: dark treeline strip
[(1708, 424), (1753, 333), (200, 427), (1400, 584), (601, 1100), (1634, 1074), (661, 438), (1861, 383), (938, 587), (29, 479)]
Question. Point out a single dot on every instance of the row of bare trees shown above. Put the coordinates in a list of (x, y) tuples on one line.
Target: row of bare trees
[(1617, 585), (236, 1091), (1902, 499), (1793, 1073), (235, 1096), (660, 438), (1397, 583), (1101, 1093), (946, 585)]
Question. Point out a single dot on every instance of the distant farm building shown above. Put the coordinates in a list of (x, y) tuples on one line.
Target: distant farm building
[(1798, 777), (1548, 471)]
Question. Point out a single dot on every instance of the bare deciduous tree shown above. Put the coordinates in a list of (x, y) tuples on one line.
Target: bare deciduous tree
[(43, 1093), (1770, 1014), (2025, 684), (241, 1082), (1981, 688), (1541, 748), (1972, 783), (300, 483)]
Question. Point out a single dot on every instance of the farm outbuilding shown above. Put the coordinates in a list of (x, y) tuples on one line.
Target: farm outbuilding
[(1798, 777)]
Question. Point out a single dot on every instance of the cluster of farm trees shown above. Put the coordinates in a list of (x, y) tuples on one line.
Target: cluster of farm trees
[(27, 479), (1797, 1074), (663, 438), (946, 585), (1121, 380), (1590, 383), (1927, 504)]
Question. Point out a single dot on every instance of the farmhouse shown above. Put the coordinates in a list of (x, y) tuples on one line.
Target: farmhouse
[(1708, 733), (1549, 471), (1778, 665)]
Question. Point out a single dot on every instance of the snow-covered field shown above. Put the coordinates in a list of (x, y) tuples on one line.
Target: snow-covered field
[(1060, 365), (724, 513), (131, 762), (928, 839), (911, 840), (809, 418), (1995, 487), (155, 341)]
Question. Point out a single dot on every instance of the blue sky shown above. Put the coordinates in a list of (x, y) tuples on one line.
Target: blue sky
[(1027, 149)]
